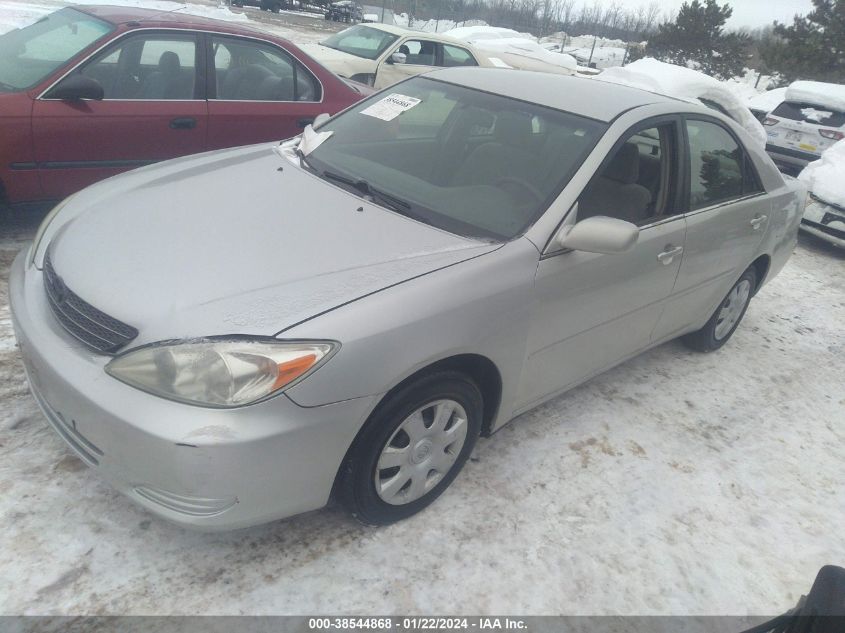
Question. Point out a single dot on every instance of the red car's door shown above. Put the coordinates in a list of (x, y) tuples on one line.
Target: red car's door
[(257, 91), (154, 108)]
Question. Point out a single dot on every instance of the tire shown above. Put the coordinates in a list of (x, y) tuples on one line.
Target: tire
[(716, 332), (404, 430)]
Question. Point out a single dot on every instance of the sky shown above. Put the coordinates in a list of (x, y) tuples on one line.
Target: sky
[(751, 13)]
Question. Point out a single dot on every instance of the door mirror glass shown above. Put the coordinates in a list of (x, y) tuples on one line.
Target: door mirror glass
[(398, 58), (77, 87), (599, 234)]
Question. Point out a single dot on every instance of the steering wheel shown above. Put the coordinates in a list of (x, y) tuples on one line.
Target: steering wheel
[(526, 186)]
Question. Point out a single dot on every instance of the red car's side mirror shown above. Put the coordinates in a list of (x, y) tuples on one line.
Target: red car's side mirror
[(77, 87)]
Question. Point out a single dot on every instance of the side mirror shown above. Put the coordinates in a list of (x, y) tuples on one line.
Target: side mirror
[(321, 119), (77, 87), (599, 234), (397, 58)]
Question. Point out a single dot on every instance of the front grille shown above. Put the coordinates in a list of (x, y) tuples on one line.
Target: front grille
[(95, 329)]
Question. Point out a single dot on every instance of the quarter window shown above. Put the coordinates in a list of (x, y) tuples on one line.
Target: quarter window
[(158, 67), (253, 71)]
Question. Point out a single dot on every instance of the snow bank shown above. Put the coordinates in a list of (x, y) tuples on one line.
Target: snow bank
[(767, 101), (818, 93), (14, 15), (825, 177), (517, 50), (432, 26), (687, 84), (600, 56)]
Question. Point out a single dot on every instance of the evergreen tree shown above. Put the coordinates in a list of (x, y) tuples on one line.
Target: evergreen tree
[(697, 39), (813, 47)]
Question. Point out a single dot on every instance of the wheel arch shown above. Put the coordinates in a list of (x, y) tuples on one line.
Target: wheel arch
[(761, 266)]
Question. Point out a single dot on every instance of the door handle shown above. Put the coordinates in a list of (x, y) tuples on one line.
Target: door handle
[(183, 123), (305, 121), (757, 221), (668, 255)]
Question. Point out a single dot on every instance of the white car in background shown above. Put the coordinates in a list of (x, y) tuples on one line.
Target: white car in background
[(824, 215), (809, 121), (381, 55)]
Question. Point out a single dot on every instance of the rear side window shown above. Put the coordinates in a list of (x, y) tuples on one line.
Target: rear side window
[(456, 56), (719, 168), (246, 70), (809, 113)]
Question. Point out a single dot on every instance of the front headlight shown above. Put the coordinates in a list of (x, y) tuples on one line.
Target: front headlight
[(220, 373)]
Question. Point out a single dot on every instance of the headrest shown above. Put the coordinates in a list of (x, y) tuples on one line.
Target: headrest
[(513, 129), (169, 62), (625, 166)]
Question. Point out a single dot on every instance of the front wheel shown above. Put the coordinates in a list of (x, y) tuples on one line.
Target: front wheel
[(727, 316), (411, 448)]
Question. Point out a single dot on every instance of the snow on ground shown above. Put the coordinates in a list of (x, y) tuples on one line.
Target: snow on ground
[(825, 177), (685, 83), (676, 483)]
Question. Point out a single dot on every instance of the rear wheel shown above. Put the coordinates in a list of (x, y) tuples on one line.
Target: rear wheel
[(727, 316), (411, 448)]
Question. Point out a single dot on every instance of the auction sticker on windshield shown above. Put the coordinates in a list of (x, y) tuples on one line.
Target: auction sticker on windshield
[(391, 106)]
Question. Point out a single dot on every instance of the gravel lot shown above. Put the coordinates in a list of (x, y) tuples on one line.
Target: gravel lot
[(676, 483)]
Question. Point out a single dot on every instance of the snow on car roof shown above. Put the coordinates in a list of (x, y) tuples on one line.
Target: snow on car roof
[(817, 93), (602, 101)]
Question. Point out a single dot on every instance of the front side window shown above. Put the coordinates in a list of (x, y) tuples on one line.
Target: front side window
[(716, 165), (253, 71), (637, 183), (30, 54), (419, 52), (147, 67), (361, 41), (462, 160)]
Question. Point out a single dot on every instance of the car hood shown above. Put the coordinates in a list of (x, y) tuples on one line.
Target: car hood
[(339, 62), (236, 242)]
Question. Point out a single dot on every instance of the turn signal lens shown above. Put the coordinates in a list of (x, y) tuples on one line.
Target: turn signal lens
[(219, 373)]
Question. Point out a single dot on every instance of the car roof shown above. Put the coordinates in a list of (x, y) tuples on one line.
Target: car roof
[(136, 17), (587, 97), (399, 30)]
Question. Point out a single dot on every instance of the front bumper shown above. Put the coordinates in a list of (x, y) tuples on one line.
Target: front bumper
[(824, 221), (203, 468)]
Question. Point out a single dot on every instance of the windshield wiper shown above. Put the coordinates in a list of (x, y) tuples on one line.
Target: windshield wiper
[(368, 191)]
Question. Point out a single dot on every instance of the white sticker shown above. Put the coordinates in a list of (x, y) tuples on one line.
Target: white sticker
[(390, 107)]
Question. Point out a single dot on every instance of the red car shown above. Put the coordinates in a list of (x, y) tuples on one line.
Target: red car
[(88, 92)]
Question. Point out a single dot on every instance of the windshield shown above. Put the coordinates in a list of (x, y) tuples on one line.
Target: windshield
[(361, 41), (30, 54), (466, 161)]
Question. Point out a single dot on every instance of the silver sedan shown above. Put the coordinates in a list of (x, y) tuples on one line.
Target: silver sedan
[(235, 337)]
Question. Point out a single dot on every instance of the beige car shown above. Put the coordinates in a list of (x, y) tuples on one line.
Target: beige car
[(380, 55)]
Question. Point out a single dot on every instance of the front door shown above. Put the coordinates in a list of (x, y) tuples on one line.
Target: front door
[(421, 55), (154, 109), (257, 92), (593, 310)]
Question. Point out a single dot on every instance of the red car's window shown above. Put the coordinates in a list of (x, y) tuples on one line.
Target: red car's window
[(246, 70), (147, 67)]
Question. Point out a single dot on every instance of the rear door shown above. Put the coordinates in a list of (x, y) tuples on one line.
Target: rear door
[(154, 109), (257, 92), (727, 215)]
